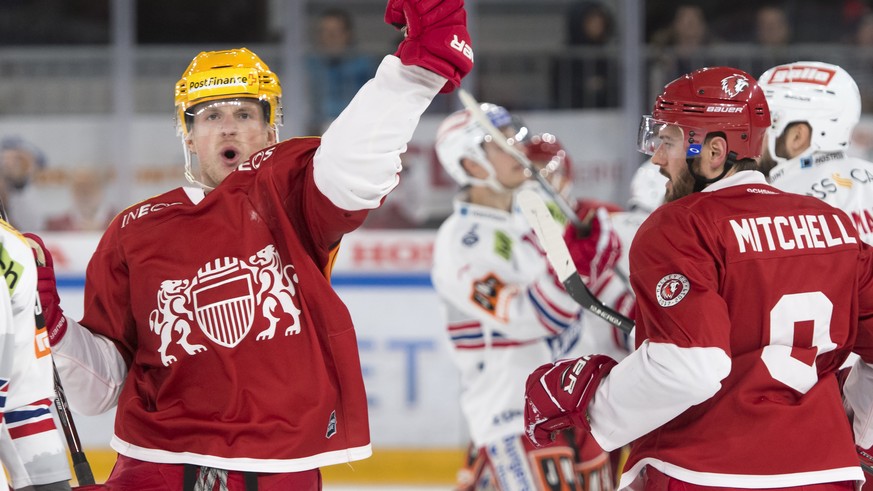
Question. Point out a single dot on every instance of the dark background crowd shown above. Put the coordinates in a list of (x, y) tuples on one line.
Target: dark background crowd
[(548, 55)]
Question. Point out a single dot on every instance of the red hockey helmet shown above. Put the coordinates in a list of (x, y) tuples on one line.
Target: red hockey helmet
[(710, 100), (545, 150)]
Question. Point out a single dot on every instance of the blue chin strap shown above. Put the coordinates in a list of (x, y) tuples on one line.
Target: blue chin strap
[(701, 182)]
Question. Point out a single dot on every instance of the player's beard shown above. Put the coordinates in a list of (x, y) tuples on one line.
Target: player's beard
[(680, 186), (766, 163)]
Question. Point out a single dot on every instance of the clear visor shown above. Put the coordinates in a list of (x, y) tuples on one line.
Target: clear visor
[(655, 136), (240, 112), (514, 135)]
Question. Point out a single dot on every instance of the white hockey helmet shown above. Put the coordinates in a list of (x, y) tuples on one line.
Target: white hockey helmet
[(460, 136), (647, 188), (821, 94)]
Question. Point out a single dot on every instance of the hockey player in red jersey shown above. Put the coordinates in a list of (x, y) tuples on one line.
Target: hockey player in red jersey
[(209, 316), (739, 330)]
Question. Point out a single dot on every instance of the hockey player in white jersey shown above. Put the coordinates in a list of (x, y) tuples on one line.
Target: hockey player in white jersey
[(31, 447), (593, 334), (814, 108), (7, 358), (505, 310)]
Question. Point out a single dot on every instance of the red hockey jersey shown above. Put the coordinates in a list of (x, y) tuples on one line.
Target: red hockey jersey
[(753, 293), (241, 354)]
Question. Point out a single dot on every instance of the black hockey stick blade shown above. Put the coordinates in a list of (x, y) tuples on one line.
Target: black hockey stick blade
[(551, 237)]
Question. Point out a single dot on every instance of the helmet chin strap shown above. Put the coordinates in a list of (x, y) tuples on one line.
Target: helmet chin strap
[(189, 174), (701, 182)]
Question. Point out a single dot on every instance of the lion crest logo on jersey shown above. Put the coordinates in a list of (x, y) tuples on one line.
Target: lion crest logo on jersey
[(225, 299), (734, 85), (672, 289)]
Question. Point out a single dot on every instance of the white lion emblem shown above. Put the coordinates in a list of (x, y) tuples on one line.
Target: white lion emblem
[(734, 85), (171, 315), (277, 290)]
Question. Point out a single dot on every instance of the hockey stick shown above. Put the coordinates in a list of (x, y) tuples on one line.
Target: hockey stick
[(551, 237), (472, 105), (81, 467)]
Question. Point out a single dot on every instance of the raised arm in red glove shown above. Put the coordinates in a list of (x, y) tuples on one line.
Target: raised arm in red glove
[(436, 37), (596, 250), (557, 395), (46, 285)]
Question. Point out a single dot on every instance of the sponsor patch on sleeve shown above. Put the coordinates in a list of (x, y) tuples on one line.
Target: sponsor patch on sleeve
[(487, 293), (672, 289)]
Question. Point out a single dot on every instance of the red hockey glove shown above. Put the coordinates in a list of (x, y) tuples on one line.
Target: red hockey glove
[(436, 37), (55, 322), (557, 395), (599, 250)]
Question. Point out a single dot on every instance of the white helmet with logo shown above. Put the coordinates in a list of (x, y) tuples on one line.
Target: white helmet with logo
[(460, 136), (821, 94)]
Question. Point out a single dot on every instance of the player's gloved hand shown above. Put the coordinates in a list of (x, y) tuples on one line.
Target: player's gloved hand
[(436, 37), (595, 250), (46, 285), (557, 395)]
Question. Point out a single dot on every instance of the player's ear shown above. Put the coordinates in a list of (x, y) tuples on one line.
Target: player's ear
[(473, 169), (189, 144), (717, 153), (797, 138)]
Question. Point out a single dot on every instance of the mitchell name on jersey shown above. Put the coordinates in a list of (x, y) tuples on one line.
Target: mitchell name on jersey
[(787, 233)]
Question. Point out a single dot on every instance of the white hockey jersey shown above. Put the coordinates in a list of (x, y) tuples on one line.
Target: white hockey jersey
[(599, 336), (593, 334), (506, 313), (7, 359), (836, 178), (31, 447)]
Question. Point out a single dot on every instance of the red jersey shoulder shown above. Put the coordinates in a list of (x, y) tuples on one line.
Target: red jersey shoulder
[(294, 152), (151, 208)]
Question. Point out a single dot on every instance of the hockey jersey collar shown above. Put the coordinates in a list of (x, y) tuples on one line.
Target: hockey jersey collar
[(196, 195), (801, 163), (742, 178), (467, 209)]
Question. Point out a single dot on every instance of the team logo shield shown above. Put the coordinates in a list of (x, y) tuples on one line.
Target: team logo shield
[(672, 289), (224, 301)]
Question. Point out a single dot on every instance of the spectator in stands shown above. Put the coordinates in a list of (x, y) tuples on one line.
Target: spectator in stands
[(772, 28), (20, 161), (587, 78), (773, 35), (861, 64), (90, 210), (681, 45), (336, 70)]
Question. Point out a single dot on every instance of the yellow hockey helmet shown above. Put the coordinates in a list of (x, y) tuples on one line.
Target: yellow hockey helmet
[(229, 74)]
